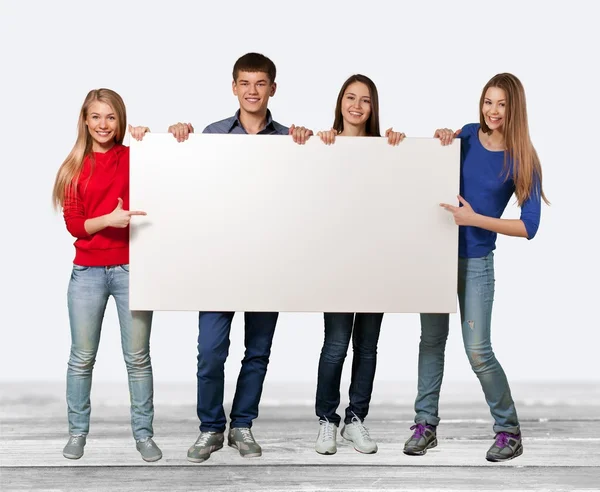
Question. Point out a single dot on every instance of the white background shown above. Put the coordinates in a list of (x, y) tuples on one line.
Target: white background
[(172, 61)]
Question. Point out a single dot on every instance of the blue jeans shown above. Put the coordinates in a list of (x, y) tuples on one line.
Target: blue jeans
[(88, 293), (339, 328), (213, 348), (475, 297)]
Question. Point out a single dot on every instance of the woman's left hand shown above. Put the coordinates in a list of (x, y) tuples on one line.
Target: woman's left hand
[(394, 138), (138, 132), (463, 216)]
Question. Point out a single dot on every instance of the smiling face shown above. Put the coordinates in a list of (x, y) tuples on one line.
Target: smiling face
[(102, 124), (253, 90), (356, 106), (493, 108)]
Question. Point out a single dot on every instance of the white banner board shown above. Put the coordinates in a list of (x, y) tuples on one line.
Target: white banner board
[(258, 223)]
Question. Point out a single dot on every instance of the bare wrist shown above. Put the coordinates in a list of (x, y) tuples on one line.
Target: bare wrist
[(477, 220)]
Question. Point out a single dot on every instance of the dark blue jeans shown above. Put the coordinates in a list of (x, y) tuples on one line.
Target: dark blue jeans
[(213, 348), (339, 328)]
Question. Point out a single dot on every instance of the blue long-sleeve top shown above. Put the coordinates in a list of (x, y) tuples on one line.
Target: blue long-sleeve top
[(484, 183)]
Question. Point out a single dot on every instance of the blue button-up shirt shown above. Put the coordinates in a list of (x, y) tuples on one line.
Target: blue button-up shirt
[(234, 126)]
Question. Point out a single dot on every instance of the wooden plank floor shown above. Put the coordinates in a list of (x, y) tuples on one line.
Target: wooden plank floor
[(561, 427)]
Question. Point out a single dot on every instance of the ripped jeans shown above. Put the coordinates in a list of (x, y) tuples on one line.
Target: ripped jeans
[(475, 298)]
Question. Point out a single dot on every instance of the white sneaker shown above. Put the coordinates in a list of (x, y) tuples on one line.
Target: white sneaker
[(326, 438), (356, 432)]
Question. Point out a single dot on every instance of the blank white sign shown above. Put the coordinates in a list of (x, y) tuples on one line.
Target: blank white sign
[(258, 223)]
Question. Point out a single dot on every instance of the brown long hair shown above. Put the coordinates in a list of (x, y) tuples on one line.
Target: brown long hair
[(372, 124), (67, 177), (526, 167)]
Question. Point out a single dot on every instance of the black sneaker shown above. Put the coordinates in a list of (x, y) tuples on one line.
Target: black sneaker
[(506, 447), (423, 438)]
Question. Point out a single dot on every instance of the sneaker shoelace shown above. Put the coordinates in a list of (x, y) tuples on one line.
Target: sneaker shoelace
[(75, 439), (419, 431), (502, 439), (246, 435), (361, 428), (203, 439), (327, 427), (148, 443)]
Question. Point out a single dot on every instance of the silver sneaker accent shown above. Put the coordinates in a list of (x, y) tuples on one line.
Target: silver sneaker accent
[(326, 438)]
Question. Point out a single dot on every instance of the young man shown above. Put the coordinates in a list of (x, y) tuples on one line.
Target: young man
[(253, 84)]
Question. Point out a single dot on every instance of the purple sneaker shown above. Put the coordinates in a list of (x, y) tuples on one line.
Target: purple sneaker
[(506, 447), (423, 438)]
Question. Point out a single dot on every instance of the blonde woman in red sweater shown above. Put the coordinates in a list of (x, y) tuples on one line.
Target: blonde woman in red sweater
[(92, 188)]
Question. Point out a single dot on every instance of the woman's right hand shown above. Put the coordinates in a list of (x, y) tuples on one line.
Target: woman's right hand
[(138, 132), (181, 131), (446, 135), (328, 136), (120, 218)]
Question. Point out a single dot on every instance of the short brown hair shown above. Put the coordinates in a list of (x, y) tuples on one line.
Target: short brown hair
[(254, 62)]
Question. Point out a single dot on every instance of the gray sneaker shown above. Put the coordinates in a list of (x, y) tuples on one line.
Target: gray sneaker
[(423, 438), (326, 438), (148, 449), (506, 447), (207, 443), (242, 439), (74, 448), (357, 433)]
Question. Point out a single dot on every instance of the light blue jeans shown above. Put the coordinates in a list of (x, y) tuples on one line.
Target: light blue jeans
[(475, 297), (88, 293)]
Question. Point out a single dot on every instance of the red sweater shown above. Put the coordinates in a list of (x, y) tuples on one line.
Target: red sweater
[(99, 187)]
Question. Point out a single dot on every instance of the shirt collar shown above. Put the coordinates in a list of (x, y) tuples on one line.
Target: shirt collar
[(235, 121)]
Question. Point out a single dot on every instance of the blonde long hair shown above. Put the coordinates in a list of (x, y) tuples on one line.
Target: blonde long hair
[(67, 177), (527, 170)]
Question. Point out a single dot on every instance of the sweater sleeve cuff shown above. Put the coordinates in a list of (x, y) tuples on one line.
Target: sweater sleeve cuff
[(77, 228), (531, 227)]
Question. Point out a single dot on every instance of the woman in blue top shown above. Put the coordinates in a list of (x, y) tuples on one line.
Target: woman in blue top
[(497, 160)]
